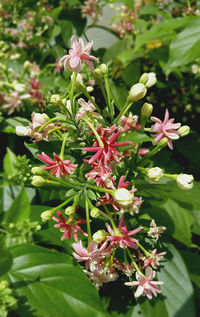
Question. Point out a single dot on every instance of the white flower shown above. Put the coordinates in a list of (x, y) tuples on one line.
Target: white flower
[(22, 131), (123, 197), (151, 80), (137, 91), (155, 174), (185, 181), (19, 87)]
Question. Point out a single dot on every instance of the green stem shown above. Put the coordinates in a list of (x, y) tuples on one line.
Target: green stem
[(108, 94), (95, 132), (58, 136), (102, 189), (124, 110), (50, 121), (64, 203), (63, 146), (55, 129), (110, 217), (172, 176), (148, 254), (85, 92), (88, 220), (134, 263), (71, 94)]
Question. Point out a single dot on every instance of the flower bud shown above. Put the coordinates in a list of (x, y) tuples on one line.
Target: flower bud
[(97, 74), (144, 78), (38, 181), (79, 80), (103, 68), (151, 80), (94, 212), (155, 174), (184, 130), (2, 43), (56, 100), (22, 131), (90, 89), (99, 236), (137, 91), (38, 171), (39, 117), (70, 210), (123, 197), (47, 215), (19, 87), (27, 65), (185, 181), (163, 142), (146, 110)]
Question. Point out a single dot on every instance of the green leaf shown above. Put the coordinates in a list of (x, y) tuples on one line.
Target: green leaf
[(115, 49), (177, 288), (148, 9), (185, 47), (119, 94), (19, 209), (10, 124), (5, 259), (135, 137), (192, 261), (155, 308), (182, 220), (9, 163), (52, 284), (66, 31)]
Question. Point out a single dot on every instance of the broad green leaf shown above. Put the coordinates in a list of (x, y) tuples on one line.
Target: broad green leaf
[(148, 9), (119, 94), (115, 49), (182, 220), (131, 74), (5, 258), (66, 31), (128, 56), (19, 209), (192, 261), (135, 137), (53, 284), (165, 30), (177, 288), (9, 163), (154, 308), (185, 47), (10, 124), (196, 221)]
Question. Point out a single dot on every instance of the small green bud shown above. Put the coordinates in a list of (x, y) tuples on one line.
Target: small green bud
[(94, 212), (27, 65), (163, 142), (184, 130), (137, 92), (56, 100), (38, 171), (79, 80), (144, 78), (103, 68), (99, 236), (146, 110), (69, 210), (47, 215), (97, 74), (38, 181)]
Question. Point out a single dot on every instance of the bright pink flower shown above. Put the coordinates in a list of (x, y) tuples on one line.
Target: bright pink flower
[(154, 260), (165, 129), (102, 175), (93, 253), (85, 108), (59, 167), (146, 285), (122, 236), (108, 152), (37, 97), (78, 54), (69, 228)]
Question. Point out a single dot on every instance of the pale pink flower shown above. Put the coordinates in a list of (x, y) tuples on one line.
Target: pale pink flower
[(122, 236), (130, 123), (13, 101), (102, 175), (85, 107), (92, 253), (154, 231), (154, 259), (78, 54), (69, 228), (166, 129), (59, 167), (102, 275), (146, 285)]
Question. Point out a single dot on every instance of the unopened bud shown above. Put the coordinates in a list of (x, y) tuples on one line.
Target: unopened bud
[(144, 78), (137, 91), (22, 131), (94, 212), (103, 68), (47, 215), (90, 89), (151, 80), (70, 210), (79, 80), (38, 181), (99, 236), (123, 197), (56, 100), (185, 181), (97, 74), (155, 174), (38, 171), (146, 110), (184, 130), (163, 142), (19, 87), (27, 65)]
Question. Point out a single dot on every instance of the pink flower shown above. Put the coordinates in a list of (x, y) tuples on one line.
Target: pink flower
[(130, 123), (146, 285), (165, 129), (154, 231), (78, 54), (91, 254), (108, 152), (122, 236), (69, 228), (85, 107), (13, 101), (154, 259), (59, 167)]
